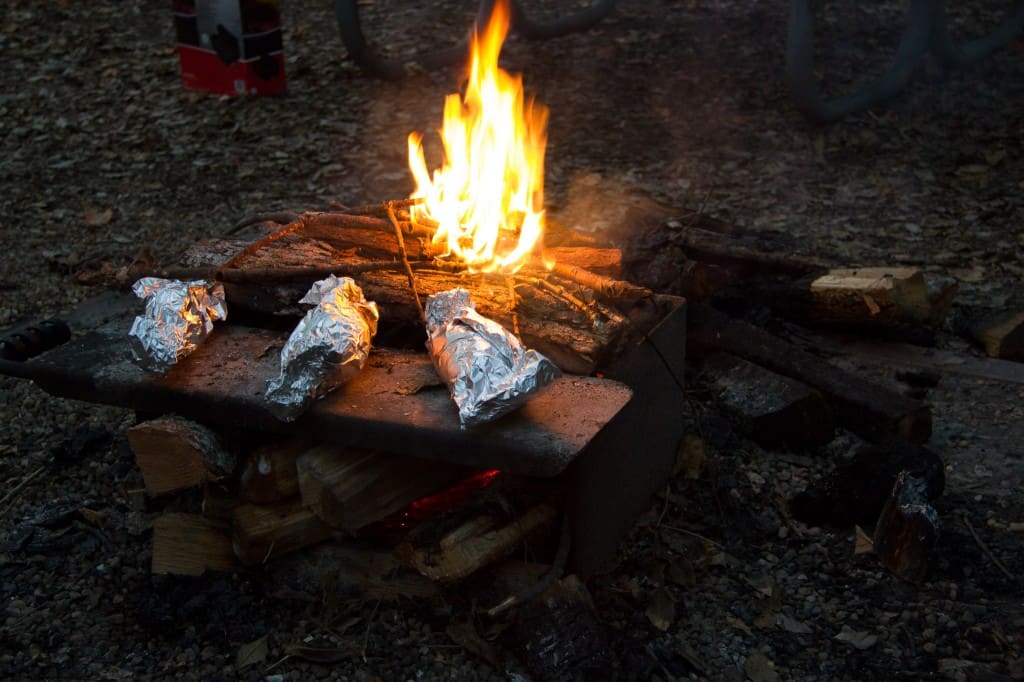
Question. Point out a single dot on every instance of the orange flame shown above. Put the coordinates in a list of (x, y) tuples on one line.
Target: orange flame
[(487, 198)]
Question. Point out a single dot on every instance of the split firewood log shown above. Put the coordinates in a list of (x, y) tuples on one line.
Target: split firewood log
[(349, 488), (175, 454), (188, 544)]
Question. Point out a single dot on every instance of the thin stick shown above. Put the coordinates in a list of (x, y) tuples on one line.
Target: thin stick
[(511, 283), (369, 624), (16, 489), (565, 295), (405, 261), (605, 287), (553, 574), (995, 560), (696, 535), (260, 243), (381, 209), (279, 217)]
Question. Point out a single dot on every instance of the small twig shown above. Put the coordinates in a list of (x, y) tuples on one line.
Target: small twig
[(696, 535), (279, 217), (405, 261), (382, 209), (664, 509), (369, 624), (604, 287), (566, 296), (985, 548), (10, 496), (260, 243), (550, 577), (511, 283)]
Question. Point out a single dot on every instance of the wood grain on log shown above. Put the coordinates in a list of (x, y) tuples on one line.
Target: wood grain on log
[(174, 454), (350, 488), (188, 544), (269, 473), (262, 533)]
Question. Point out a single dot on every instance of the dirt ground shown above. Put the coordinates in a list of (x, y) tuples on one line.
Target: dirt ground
[(107, 159)]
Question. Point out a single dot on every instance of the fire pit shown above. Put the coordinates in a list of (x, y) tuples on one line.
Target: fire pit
[(476, 223)]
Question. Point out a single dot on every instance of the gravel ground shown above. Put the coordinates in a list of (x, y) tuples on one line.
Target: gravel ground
[(107, 160)]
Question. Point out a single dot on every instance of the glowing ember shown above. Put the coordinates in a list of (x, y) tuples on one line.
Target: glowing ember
[(487, 198)]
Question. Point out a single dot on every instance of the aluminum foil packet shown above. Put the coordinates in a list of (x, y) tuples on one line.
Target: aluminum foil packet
[(488, 370), (177, 319), (328, 347)]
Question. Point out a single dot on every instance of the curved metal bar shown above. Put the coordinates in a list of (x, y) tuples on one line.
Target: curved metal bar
[(347, 13), (800, 59), (951, 54), (579, 21), (368, 59)]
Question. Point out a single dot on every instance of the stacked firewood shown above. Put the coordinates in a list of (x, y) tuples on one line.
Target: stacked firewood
[(229, 502)]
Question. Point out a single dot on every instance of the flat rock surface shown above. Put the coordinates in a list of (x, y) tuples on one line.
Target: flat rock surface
[(108, 160)]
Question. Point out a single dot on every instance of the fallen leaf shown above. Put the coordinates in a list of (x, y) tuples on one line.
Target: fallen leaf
[(738, 624), (858, 639), (661, 609), (96, 217), (465, 635), (320, 654), (690, 458), (680, 571), (862, 542), (759, 668), (252, 653)]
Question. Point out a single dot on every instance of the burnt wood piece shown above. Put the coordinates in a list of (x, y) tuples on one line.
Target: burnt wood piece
[(188, 544), (396, 404), (349, 488), (578, 340), (857, 489), (559, 635), (475, 544), (263, 532), (175, 453), (868, 409), (1001, 335), (771, 409), (269, 473), (907, 530)]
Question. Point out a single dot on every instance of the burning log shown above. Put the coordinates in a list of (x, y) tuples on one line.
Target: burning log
[(175, 454), (262, 533), (350, 488), (869, 410), (562, 321), (771, 409), (188, 544)]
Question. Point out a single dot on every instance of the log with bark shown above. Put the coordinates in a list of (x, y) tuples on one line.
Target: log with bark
[(562, 318), (868, 409)]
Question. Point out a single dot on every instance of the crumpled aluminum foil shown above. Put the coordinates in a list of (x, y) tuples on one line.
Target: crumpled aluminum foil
[(488, 370), (178, 317), (328, 347)]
